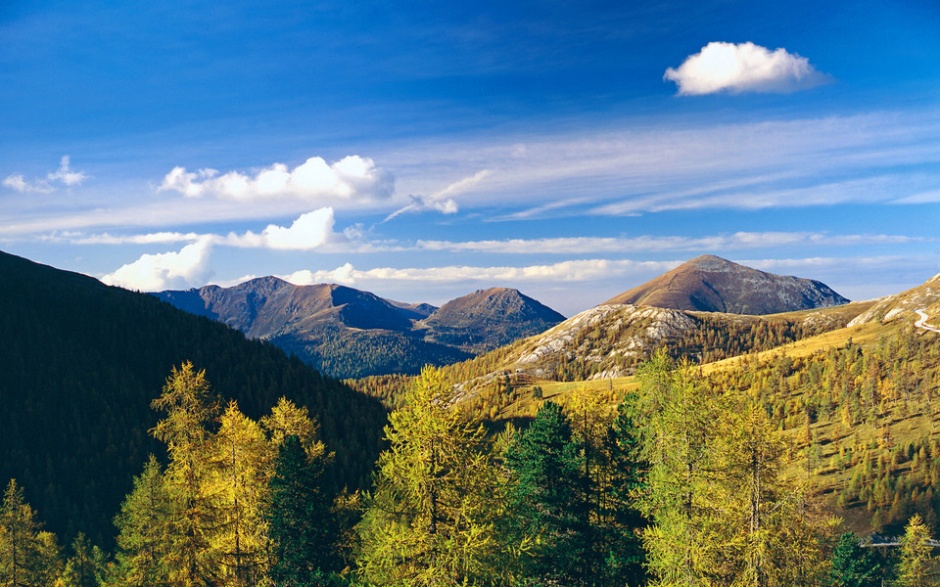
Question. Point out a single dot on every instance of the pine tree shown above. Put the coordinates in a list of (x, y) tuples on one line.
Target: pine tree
[(916, 566), (241, 467), (303, 529), (190, 406), (619, 520), (87, 565), (143, 526), (852, 565), (20, 549), (680, 422), (428, 522), (547, 503)]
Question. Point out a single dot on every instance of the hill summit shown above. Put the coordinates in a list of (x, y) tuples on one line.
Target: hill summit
[(712, 284), (488, 318)]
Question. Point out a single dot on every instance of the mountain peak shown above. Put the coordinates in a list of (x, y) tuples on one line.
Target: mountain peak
[(712, 284), (712, 263), (488, 318)]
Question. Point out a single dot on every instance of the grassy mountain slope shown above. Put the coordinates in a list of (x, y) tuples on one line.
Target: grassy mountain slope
[(81, 364), (859, 406), (712, 284), (609, 341)]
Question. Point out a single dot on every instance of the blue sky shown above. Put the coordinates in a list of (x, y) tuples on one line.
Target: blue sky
[(422, 150)]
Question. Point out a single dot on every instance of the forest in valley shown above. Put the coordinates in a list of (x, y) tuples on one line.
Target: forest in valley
[(683, 482)]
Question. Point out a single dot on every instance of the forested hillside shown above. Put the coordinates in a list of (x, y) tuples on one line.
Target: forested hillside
[(610, 341), (81, 364)]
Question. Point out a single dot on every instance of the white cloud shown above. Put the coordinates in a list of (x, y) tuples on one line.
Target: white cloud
[(310, 231), (744, 67), (19, 183), (350, 178), (78, 238), (181, 270), (566, 271), (442, 201), (649, 244), (64, 176), (344, 275)]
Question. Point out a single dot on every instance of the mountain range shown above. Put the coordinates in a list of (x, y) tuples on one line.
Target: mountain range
[(345, 332), (82, 362)]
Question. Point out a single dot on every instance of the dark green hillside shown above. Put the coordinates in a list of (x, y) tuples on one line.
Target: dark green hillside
[(82, 361)]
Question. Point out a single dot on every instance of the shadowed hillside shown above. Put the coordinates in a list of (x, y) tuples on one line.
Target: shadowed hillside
[(82, 362)]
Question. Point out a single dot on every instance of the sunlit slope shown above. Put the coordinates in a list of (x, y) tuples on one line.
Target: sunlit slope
[(859, 408)]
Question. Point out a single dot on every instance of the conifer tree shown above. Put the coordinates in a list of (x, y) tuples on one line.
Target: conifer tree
[(143, 527), (429, 519), (241, 467), (49, 568), (20, 548), (852, 565), (680, 422), (189, 406), (302, 527), (287, 419), (619, 518), (754, 452), (916, 566), (87, 565), (547, 513)]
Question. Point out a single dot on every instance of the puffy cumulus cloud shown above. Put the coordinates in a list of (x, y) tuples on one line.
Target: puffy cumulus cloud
[(180, 270), (310, 231), (346, 275), (63, 176), (351, 178), (744, 67)]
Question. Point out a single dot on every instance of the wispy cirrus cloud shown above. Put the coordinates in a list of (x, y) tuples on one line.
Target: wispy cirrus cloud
[(443, 201), (63, 176), (743, 67), (875, 158), (656, 244), (349, 179)]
